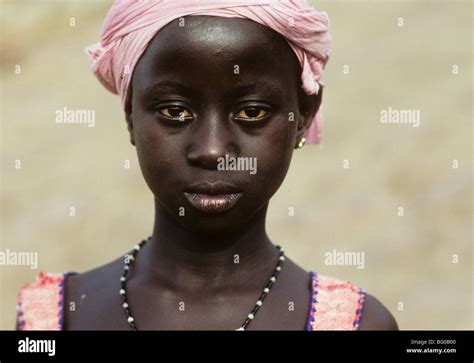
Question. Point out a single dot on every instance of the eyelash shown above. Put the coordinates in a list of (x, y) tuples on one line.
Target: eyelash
[(258, 108), (175, 118), (239, 118)]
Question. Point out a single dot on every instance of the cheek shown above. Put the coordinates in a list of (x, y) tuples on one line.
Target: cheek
[(274, 155), (155, 155)]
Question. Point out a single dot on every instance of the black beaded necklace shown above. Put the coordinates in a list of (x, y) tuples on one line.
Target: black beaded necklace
[(131, 257)]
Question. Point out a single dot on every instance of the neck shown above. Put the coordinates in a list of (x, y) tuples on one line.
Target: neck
[(180, 259)]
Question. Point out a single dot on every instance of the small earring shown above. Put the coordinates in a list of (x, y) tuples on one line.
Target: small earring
[(301, 143)]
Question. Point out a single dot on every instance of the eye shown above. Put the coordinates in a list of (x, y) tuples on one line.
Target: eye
[(175, 113), (252, 113)]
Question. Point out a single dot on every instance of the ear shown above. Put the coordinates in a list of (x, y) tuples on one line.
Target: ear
[(129, 119), (308, 105)]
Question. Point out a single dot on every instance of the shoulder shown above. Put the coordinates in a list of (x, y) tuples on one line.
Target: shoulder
[(376, 316), (95, 279), (93, 284), (91, 293), (53, 301)]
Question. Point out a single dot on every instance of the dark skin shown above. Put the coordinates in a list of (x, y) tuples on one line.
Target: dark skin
[(190, 258)]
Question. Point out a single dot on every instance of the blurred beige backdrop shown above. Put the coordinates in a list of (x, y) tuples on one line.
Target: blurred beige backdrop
[(413, 55)]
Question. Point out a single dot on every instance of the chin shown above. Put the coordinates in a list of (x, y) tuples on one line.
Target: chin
[(213, 224)]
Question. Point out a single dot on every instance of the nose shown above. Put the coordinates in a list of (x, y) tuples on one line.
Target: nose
[(211, 139)]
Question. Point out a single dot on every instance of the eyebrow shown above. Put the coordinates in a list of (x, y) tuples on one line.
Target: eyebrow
[(166, 86), (265, 86)]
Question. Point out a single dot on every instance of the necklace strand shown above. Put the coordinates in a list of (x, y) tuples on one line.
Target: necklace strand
[(130, 258)]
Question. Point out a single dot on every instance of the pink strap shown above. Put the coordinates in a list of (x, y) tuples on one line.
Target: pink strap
[(40, 304), (335, 304)]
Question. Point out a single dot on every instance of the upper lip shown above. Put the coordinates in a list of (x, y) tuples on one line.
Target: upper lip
[(212, 188)]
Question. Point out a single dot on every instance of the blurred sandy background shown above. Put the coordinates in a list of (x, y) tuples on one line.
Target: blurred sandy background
[(408, 259)]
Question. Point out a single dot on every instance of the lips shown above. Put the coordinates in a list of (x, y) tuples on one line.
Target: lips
[(211, 197), (213, 203)]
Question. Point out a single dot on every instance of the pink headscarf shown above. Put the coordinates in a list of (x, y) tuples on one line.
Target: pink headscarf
[(131, 24)]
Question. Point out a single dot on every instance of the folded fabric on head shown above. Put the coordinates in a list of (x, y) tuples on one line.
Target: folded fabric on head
[(131, 24)]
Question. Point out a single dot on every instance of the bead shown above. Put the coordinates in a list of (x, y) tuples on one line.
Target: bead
[(126, 267), (241, 328), (259, 303), (130, 319), (266, 290), (122, 279), (122, 292), (272, 279), (250, 316), (278, 268), (125, 305), (282, 258), (137, 248)]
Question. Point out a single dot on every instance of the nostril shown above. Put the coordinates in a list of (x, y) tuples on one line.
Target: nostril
[(207, 158), (210, 159)]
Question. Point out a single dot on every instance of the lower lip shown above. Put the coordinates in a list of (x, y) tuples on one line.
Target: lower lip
[(213, 203)]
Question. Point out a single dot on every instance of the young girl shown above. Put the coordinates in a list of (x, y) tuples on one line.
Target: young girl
[(203, 82)]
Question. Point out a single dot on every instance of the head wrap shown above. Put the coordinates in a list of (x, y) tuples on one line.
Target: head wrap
[(131, 24)]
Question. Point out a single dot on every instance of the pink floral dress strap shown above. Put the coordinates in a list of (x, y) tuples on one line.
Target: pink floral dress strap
[(335, 304), (40, 305)]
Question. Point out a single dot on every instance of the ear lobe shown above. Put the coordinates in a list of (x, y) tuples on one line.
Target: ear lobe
[(309, 106)]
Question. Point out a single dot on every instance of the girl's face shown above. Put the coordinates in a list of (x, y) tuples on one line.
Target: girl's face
[(211, 88)]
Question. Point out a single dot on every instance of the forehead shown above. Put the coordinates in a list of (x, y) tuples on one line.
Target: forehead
[(215, 51)]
